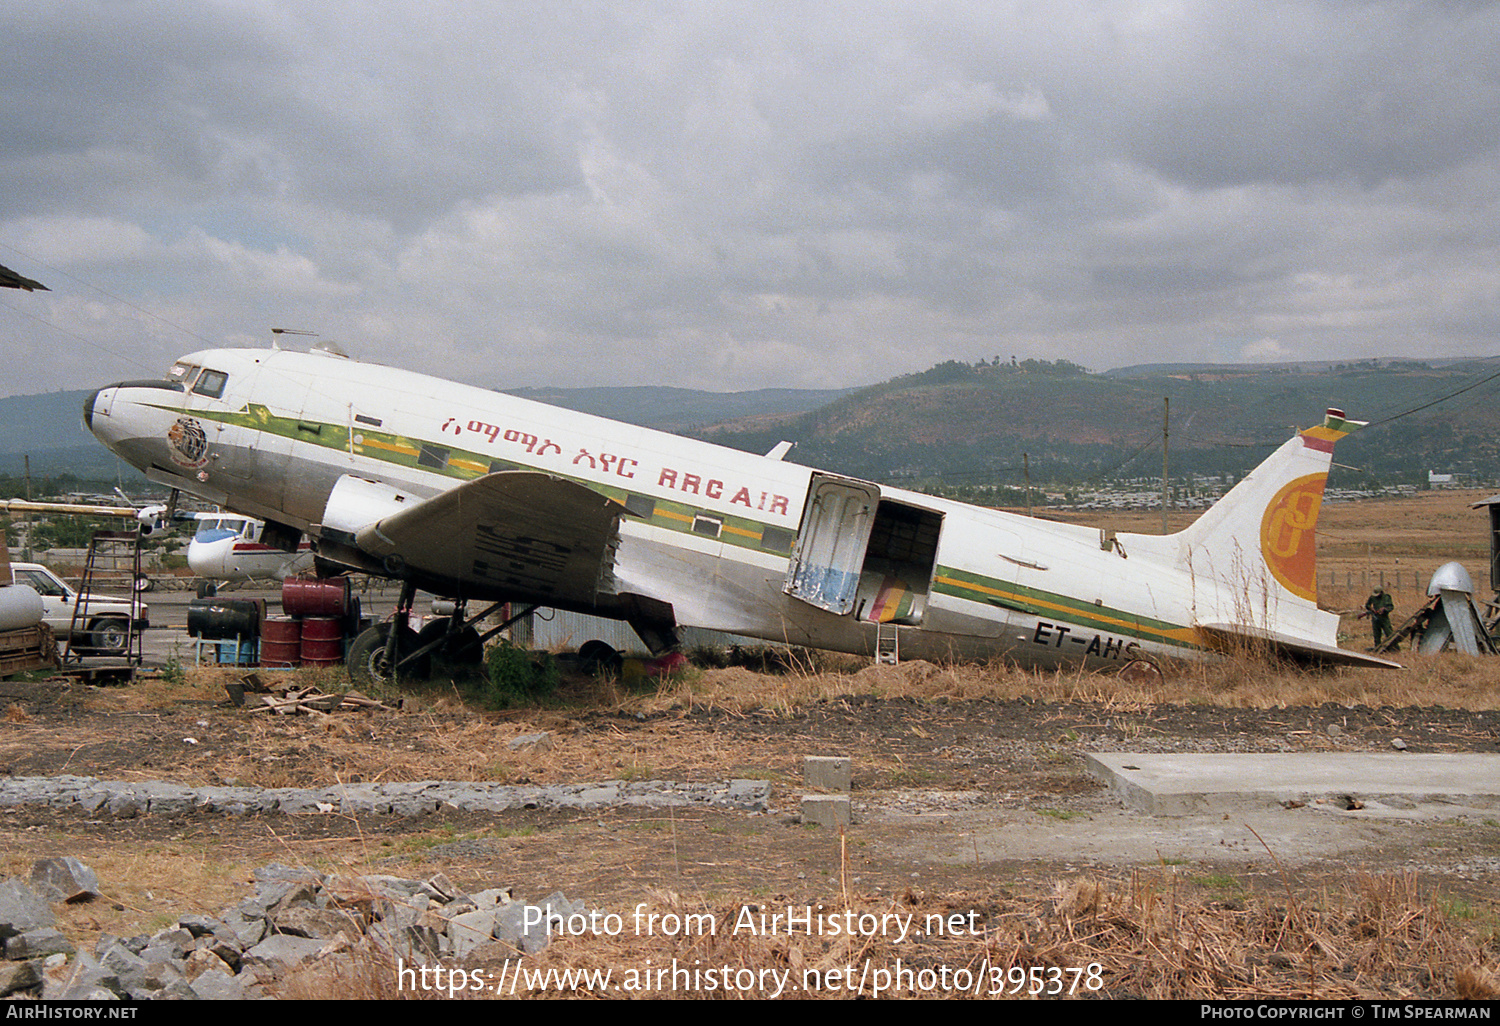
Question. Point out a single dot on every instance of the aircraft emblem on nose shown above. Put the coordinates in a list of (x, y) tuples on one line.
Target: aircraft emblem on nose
[(188, 442)]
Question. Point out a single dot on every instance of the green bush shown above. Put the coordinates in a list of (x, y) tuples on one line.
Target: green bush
[(518, 677)]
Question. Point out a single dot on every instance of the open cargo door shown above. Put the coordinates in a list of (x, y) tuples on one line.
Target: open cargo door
[(825, 567)]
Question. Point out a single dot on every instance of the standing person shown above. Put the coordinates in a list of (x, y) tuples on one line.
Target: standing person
[(1378, 607)]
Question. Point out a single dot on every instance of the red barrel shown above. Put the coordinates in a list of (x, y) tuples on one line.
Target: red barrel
[(315, 596), (322, 640), (280, 642)]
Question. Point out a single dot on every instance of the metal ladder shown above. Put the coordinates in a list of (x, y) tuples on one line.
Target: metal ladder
[(114, 561), (887, 644)]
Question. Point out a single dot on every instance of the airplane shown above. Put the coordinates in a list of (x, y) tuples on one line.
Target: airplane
[(227, 547), (481, 496)]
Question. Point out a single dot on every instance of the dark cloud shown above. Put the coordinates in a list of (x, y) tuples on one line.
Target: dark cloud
[(736, 195)]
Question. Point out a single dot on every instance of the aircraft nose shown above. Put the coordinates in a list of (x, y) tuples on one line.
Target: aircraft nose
[(88, 409), (99, 413), (98, 406)]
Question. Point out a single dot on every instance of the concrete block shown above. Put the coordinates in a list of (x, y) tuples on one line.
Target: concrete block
[(828, 772), (217, 985), (22, 909), (18, 976), (829, 810), (471, 929)]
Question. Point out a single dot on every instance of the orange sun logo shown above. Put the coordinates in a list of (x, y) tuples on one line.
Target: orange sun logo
[(1287, 539)]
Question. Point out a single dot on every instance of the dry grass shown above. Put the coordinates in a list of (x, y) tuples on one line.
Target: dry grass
[(1151, 936), (145, 888), (1245, 681)]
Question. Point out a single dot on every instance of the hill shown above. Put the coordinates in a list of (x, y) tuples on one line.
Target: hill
[(959, 423)]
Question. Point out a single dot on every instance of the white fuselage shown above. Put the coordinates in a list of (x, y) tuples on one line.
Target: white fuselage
[(727, 539)]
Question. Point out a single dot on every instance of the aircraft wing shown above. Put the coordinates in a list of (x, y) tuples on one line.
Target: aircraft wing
[(11, 280), (515, 532), (1232, 635)]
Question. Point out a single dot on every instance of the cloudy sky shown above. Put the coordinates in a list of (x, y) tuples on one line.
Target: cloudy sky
[(729, 195)]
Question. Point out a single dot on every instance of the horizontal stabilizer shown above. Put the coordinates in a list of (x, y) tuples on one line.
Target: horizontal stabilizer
[(1231, 636)]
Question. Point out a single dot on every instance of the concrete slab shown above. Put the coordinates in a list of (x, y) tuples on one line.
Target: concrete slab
[(828, 772), (828, 810), (1181, 785)]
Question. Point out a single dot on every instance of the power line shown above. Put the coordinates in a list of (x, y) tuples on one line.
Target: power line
[(1440, 399), (105, 292), (74, 335)]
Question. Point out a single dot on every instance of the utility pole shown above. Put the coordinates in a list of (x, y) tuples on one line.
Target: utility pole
[(26, 523), (1026, 459), (1166, 409)]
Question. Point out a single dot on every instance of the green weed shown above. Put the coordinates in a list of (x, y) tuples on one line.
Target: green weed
[(517, 677), (1061, 814)]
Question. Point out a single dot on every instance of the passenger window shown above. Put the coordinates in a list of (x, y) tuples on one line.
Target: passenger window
[(211, 383)]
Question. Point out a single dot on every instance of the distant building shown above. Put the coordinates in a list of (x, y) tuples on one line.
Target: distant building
[(1436, 480)]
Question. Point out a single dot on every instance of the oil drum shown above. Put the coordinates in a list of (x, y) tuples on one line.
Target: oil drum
[(322, 640), (223, 619), (315, 596), (280, 642)]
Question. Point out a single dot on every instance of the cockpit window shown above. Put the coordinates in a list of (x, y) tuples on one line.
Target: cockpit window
[(211, 383), (182, 373)]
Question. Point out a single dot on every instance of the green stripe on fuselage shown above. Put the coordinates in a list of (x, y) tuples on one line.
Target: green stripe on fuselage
[(403, 451), (975, 587)]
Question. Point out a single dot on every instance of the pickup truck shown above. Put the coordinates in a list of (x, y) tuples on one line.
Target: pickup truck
[(106, 620)]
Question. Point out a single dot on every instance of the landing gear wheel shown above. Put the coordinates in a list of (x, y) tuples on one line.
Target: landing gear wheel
[(463, 649), (368, 665), (599, 657)]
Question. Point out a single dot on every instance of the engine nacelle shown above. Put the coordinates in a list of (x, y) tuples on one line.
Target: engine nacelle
[(356, 503), (152, 519)]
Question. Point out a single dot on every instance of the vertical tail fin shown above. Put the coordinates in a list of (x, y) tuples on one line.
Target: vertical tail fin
[(1258, 544), (1269, 519)]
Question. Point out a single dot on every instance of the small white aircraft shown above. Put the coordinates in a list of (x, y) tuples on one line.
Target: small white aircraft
[(228, 547), (482, 496)]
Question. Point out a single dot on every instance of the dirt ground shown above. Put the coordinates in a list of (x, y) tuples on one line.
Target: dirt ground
[(934, 780)]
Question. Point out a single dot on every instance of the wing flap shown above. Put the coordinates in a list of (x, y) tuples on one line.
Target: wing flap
[(1233, 635), (515, 533)]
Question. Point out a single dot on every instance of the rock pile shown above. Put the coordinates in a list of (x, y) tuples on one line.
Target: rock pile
[(294, 917), (126, 799)]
